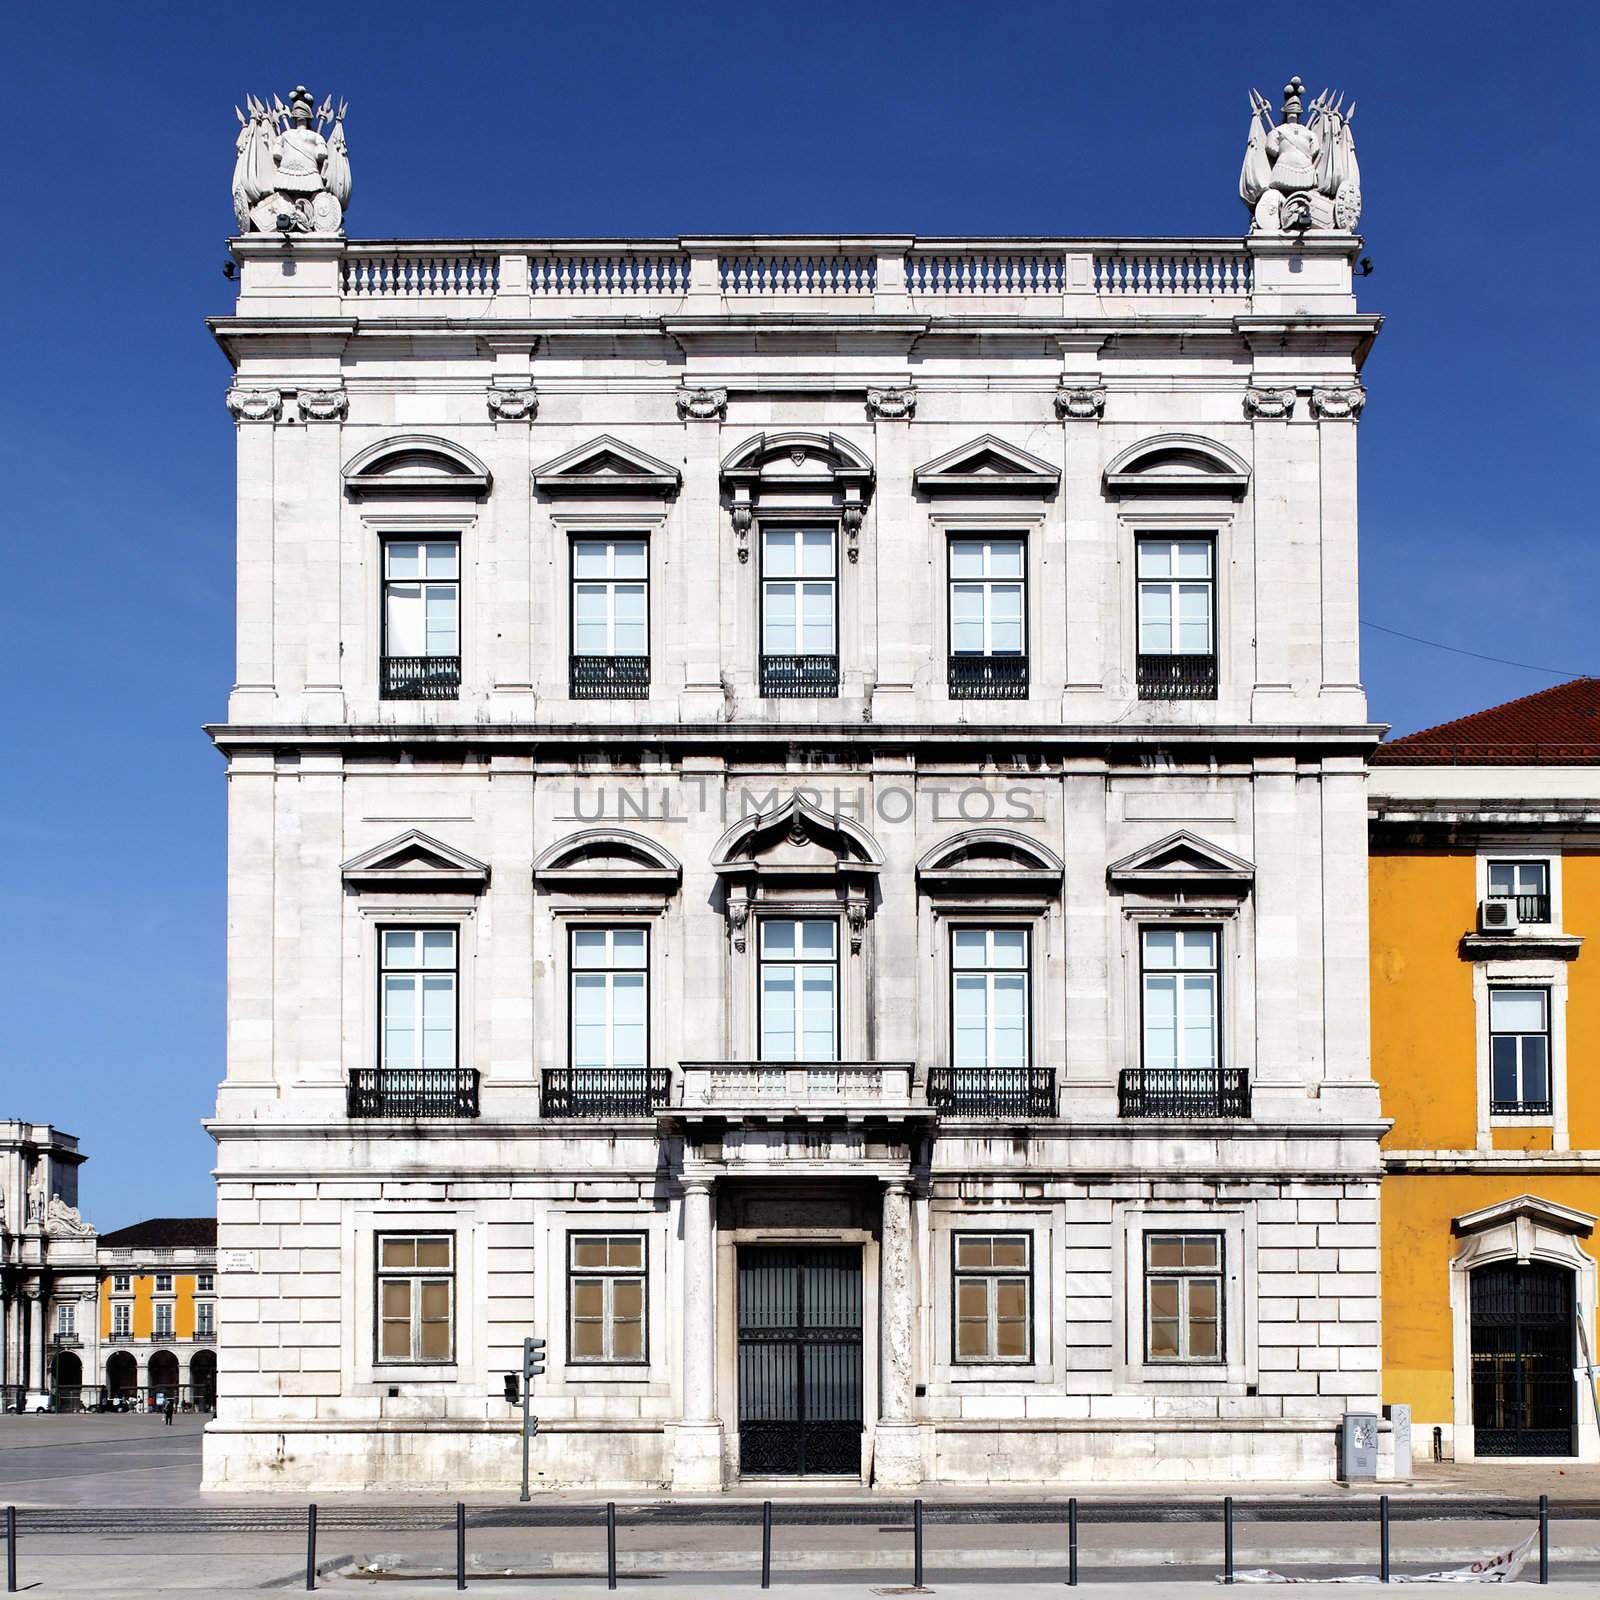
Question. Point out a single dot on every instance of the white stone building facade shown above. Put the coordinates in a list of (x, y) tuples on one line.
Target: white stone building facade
[(797, 828)]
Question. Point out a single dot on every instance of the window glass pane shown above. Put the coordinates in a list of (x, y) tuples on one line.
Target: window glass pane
[(1535, 1069), (629, 558), (1010, 1251), (589, 634), (1163, 1297), (778, 557), (435, 1301), (1203, 1299), (1010, 1020), (1199, 1021), (588, 1297), (1163, 1340), (440, 606), (1161, 947), (778, 938), (1502, 877), (1503, 1069), (1197, 947), (628, 1020), (1200, 1250), (439, 1020), (1005, 625), (817, 634), (778, 1013), (779, 620), (966, 618), (1164, 1250), (588, 1252), (1010, 947), (396, 1343), (631, 620), (399, 948), (818, 938), (627, 1342), (588, 559), (435, 1341), (440, 560), (590, 947), (817, 1013), (972, 1298), (628, 1298), (1203, 1340), (433, 1252), (972, 1340), (403, 625), (971, 1020), (1155, 559), (1011, 1340), (1516, 1010), (1005, 558), (1194, 558), (399, 1021), (1160, 1021), (817, 552), (627, 947), (405, 560), (438, 948), (627, 1251), (1194, 619), (397, 1300), (588, 1340), (1155, 619), (969, 947), (973, 1250)]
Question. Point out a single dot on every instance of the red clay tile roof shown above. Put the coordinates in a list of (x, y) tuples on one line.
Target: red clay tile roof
[(1557, 727), (165, 1233)]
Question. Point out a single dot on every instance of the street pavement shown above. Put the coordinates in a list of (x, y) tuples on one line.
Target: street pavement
[(112, 1505)]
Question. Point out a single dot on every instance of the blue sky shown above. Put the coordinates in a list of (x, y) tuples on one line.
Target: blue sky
[(1477, 451)]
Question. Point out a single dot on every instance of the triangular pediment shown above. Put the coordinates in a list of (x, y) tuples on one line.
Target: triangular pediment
[(989, 463), (602, 857), (1528, 1208), (1181, 859), (607, 465), (415, 860)]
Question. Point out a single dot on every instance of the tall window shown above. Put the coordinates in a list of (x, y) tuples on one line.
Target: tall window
[(610, 618), (163, 1311), (205, 1318), (606, 1294), (1183, 1297), (990, 995), (1527, 883), (799, 963), (205, 1282), (1177, 618), (121, 1320), (421, 619), (799, 612), (1519, 1051), (66, 1319), (610, 989), (419, 998), (994, 1296), (988, 618), (163, 1283), (1180, 982), (416, 1297), (121, 1282)]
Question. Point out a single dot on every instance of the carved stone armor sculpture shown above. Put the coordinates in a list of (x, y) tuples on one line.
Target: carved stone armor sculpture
[(1301, 174), (288, 178)]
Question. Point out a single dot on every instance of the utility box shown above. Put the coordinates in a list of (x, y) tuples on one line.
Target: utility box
[(1400, 1421), (1358, 1447)]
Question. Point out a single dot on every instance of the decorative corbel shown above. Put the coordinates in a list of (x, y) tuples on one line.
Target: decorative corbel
[(1269, 405), (322, 405), (855, 915), (1086, 403), (738, 921), (703, 405), (255, 405), (1338, 404), (892, 405), (851, 516), (744, 516), (513, 404)]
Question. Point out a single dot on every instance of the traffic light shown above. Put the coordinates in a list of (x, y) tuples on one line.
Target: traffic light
[(513, 1389), (532, 1359)]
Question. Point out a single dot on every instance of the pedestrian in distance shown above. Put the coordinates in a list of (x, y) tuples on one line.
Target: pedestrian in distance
[(170, 1407)]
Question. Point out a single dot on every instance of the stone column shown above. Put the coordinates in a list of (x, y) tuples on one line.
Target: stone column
[(897, 1457), (697, 1439), (37, 1391)]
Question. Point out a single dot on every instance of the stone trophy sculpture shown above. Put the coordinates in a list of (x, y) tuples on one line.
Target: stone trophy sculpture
[(1301, 174), (287, 177)]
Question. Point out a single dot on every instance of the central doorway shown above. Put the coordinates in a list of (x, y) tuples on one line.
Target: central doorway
[(1522, 1360), (800, 1361)]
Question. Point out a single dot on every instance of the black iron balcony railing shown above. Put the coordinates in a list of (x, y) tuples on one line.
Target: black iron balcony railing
[(1183, 1092), (1177, 677), (992, 1091), (420, 678), (1520, 1108), (604, 1092), (412, 1092), (974, 677), (799, 677), (65, 1341), (1530, 907), (610, 677)]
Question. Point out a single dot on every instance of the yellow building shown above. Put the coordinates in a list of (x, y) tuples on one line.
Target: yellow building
[(158, 1313), (1485, 926)]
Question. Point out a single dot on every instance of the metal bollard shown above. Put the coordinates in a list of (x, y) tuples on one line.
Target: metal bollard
[(611, 1544), (1072, 1541), (461, 1545), (1383, 1538), (1227, 1538), (1544, 1538), (766, 1544), (11, 1549), (311, 1547), (916, 1544)]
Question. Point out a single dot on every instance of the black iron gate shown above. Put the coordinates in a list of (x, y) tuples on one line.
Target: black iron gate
[(800, 1399), (1522, 1360)]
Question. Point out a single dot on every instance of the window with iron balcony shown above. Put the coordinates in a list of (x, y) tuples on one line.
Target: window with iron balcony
[(799, 613), (421, 620), (988, 619), (610, 619), (1177, 658)]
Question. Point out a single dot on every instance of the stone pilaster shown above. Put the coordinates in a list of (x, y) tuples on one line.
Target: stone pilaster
[(697, 1440), (897, 1456)]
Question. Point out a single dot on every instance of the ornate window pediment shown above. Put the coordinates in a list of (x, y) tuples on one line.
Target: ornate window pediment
[(416, 464), (1178, 463), (608, 466), (797, 848), (991, 861), (798, 470), (1530, 1212), (415, 860), (991, 465), (607, 858), (1179, 862)]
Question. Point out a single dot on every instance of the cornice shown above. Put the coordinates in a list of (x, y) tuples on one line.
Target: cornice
[(1500, 1162)]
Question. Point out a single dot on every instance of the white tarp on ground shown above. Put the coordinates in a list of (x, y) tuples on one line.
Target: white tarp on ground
[(1502, 1568)]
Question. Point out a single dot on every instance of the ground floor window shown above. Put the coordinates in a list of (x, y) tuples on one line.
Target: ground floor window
[(993, 1275), (416, 1297), (606, 1295), (1183, 1297)]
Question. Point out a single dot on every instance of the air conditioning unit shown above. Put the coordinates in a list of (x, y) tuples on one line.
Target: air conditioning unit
[(1497, 916)]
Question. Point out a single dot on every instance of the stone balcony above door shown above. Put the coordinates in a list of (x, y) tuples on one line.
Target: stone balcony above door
[(803, 1091)]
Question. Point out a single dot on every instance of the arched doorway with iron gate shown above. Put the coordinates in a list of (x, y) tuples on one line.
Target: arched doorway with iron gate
[(203, 1380), (66, 1381), (1523, 1354), (162, 1383), (122, 1376)]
